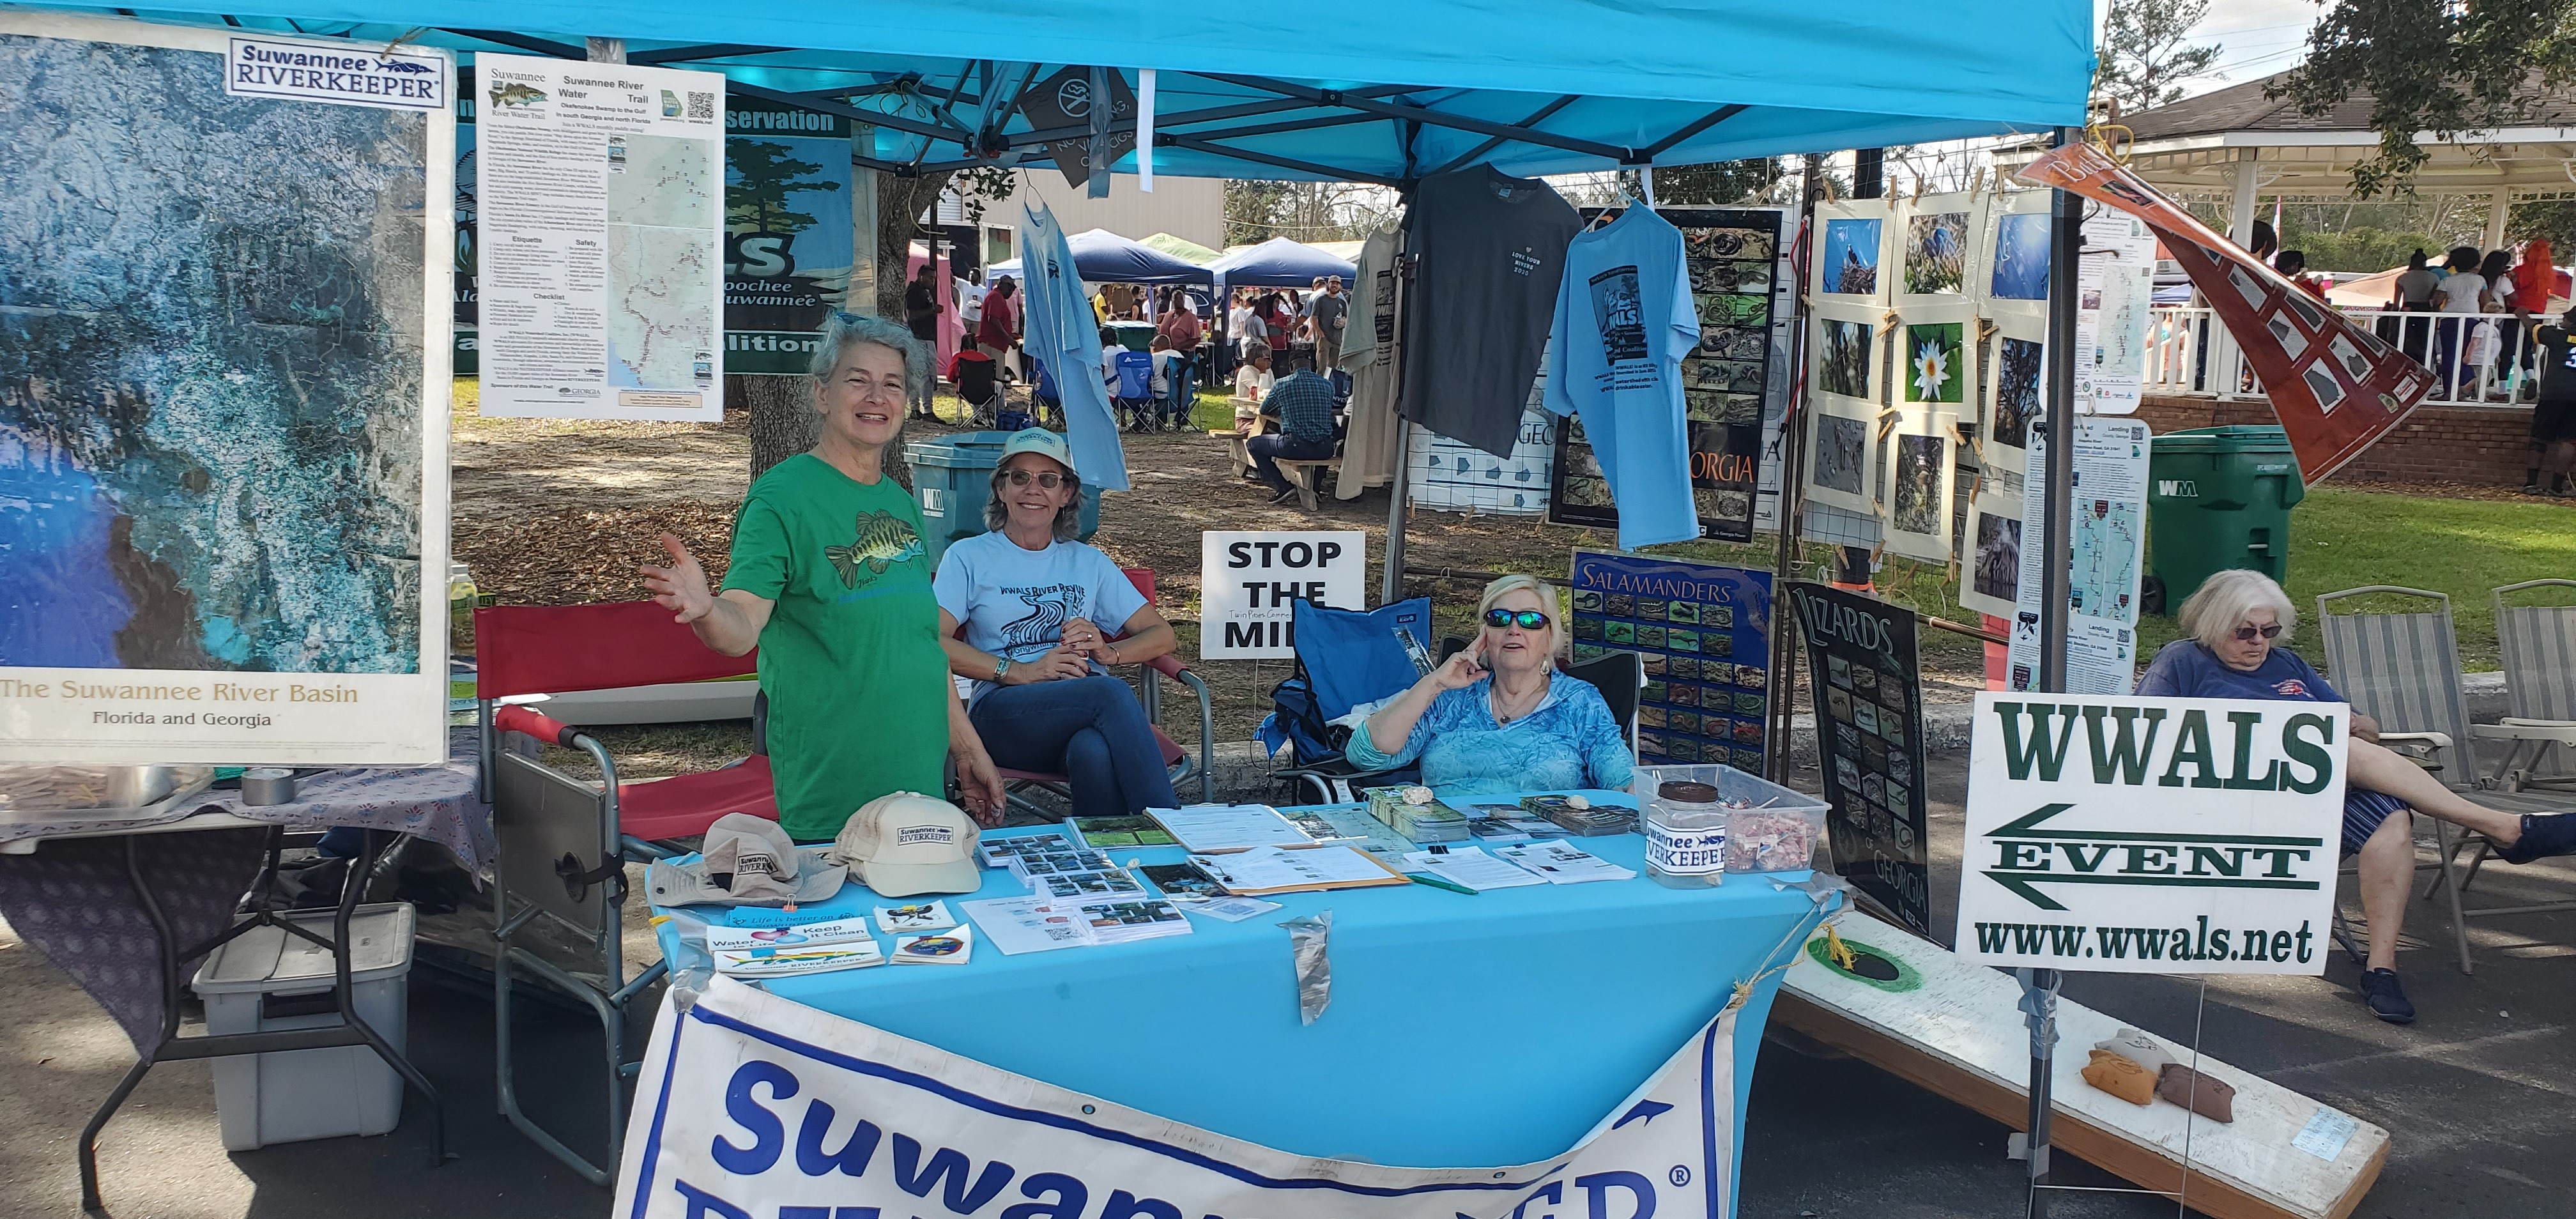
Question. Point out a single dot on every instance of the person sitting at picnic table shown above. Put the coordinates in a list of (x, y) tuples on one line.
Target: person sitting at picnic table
[(1303, 404), (1252, 384), (828, 579), (1498, 717), (2233, 630), (1032, 601)]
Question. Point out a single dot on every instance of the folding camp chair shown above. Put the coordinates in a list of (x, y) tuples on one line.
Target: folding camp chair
[(2539, 644), (978, 386), (1345, 658), (1176, 758), (564, 841), (2403, 670)]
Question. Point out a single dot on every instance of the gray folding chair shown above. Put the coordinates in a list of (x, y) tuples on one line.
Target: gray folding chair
[(2403, 670), (2539, 645)]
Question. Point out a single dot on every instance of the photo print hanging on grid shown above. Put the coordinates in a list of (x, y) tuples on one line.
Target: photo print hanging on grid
[(2013, 392), (1842, 446), (2009, 275), (1936, 359), (1846, 351), (1935, 248), (1852, 241), (2334, 386), (1990, 582), (1921, 467)]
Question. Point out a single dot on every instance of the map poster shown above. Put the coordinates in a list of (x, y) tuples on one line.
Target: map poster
[(2107, 549), (2115, 297), (1732, 258), (223, 397), (1861, 665), (599, 241), (1703, 634), (788, 241)]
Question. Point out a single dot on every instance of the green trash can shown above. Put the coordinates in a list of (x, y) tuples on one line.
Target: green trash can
[(952, 480), (2218, 498), (1134, 336)]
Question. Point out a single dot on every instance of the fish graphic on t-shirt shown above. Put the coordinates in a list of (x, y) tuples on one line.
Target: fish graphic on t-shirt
[(884, 540)]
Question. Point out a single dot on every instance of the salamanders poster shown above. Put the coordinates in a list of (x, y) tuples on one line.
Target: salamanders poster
[(223, 394), (1702, 633)]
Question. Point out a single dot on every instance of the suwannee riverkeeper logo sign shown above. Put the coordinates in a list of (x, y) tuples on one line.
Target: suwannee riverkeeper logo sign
[(2135, 835)]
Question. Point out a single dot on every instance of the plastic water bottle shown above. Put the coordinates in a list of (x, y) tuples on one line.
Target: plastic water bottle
[(462, 597)]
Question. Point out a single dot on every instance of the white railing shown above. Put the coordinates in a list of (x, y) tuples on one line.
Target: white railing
[(2189, 354)]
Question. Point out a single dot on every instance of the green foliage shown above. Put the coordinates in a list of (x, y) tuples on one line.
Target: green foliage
[(765, 174), (2444, 66), (2554, 219), (2143, 62)]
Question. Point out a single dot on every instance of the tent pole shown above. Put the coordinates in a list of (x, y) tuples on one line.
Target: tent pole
[(1793, 475), (2039, 986), (1391, 585)]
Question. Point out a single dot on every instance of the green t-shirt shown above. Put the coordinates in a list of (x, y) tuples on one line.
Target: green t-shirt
[(857, 682)]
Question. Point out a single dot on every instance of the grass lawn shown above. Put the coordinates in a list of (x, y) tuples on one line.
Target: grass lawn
[(2343, 539)]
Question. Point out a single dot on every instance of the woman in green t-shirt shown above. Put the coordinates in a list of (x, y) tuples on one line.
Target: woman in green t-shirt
[(830, 580)]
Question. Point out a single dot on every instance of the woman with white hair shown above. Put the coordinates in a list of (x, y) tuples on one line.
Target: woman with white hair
[(829, 579), (1498, 717), (2233, 626)]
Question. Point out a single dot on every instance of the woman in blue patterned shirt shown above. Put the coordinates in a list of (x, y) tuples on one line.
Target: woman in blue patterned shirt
[(1498, 717)]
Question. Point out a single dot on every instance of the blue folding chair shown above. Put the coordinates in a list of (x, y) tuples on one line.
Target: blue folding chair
[(1345, 658)]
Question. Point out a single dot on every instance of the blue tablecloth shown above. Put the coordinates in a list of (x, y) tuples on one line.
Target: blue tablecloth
[(1496, 1028)]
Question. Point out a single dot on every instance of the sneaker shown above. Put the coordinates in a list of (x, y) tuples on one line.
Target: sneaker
[(1281, 495), (2543, 835), (2386, 998)]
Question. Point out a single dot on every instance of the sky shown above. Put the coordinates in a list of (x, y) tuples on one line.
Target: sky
[(2256, 38)]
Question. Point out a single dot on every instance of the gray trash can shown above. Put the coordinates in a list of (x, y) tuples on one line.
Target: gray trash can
[(952, 477)]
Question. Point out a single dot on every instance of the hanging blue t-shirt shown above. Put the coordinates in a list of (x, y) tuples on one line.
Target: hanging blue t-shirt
[(1624, 320), (1061, 333)]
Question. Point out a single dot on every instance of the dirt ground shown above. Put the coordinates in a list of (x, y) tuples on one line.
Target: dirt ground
[(554, 513)]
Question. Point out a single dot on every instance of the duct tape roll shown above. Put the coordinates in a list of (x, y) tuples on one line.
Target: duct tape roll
[(267, 785)]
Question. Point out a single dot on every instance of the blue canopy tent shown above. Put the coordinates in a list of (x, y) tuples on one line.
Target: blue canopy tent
[(1419, 88), (1103, 257), (1279, 263)]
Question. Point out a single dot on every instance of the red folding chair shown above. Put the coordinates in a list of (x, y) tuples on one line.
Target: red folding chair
[(1175, 758), (564, 842)]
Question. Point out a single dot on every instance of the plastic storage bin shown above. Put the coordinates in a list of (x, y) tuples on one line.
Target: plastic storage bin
[(2218, 498), (952, 480), (268, 981), (1769, 828)]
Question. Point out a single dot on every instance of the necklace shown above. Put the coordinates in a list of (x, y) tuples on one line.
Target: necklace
[(1502, 716)]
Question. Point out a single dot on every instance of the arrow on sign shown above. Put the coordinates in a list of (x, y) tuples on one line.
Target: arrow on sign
[(2029, 852)]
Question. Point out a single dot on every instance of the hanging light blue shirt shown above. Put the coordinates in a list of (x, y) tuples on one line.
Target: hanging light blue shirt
[(1063, 337), (1624, 320)]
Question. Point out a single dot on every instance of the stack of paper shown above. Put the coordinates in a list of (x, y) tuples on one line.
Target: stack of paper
[(1269, 870), (1352, 826), (1109, 882), (1028, 924), (1471, 868), (786, 952), (1412, 812), (1216, 828), (1105, 833), (1564, 863), (1038, 854), (1496, 824), (1229, 909), (919, 916), (1119, 922), (1182, 881), (936, 948), (1581, 817)]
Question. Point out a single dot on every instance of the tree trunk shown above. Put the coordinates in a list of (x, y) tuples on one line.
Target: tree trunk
[(783, 421)]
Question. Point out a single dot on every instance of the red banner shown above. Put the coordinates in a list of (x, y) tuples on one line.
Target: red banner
[(2335, 386)]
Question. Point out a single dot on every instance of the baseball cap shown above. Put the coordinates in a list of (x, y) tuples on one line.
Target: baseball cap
[(1040, 441), (746, 861), (907, 843)]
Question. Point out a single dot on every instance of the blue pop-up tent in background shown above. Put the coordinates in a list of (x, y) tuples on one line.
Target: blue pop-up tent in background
[(1103, 257), (1280, 263)]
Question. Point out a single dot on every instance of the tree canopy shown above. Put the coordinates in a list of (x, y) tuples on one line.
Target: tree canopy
[(2444, 66)]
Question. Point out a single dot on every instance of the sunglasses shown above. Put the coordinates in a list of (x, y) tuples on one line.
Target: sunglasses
[(2248, 634), (1527, 620), (1048, 479)]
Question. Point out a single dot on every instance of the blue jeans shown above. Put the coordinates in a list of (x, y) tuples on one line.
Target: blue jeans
[(1267, 450), (1090, 730)]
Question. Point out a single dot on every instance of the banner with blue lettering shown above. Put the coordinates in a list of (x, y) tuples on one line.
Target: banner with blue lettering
[(789, 245), (755, 1107)]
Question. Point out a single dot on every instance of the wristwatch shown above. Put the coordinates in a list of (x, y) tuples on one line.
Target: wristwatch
[(1001, 665)]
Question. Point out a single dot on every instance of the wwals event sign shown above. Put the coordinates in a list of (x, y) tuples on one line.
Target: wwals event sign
[(1250, 583), (755, 1107), (2135, 835)]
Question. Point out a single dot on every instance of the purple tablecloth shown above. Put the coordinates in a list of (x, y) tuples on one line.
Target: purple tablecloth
[(72, 902)]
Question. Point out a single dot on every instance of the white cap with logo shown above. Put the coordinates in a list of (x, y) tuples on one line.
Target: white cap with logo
[(907, 843)]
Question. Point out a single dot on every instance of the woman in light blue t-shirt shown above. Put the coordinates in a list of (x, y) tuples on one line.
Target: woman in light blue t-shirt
[(1024, 611)]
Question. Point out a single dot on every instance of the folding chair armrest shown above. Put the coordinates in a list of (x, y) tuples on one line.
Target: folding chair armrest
[(536, 724), (1170, 665), (2436, 740), (2513, 729)]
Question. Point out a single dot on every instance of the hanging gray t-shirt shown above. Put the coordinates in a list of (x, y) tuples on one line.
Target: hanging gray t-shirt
[(1491, 251)]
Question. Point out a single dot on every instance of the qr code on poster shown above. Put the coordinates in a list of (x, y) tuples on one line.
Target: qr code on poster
[(702, 105)]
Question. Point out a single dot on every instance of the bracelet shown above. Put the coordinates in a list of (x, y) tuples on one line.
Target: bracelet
[(1001, 665), (1113, 654)]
